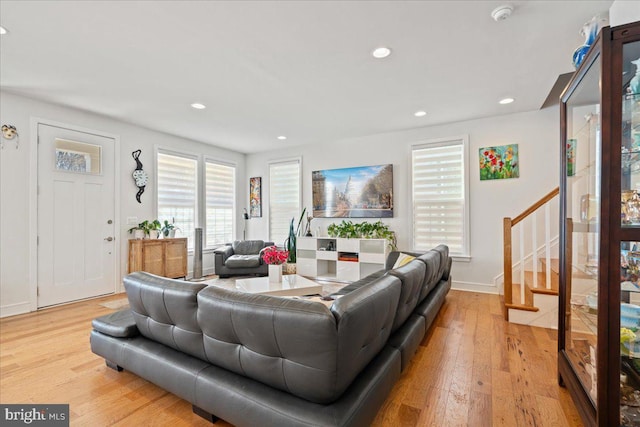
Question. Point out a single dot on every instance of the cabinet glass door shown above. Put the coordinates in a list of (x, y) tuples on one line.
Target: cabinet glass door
[(583, 193), (630, 251)]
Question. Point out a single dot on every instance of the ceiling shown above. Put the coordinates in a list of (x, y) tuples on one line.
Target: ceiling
[(302, 69)]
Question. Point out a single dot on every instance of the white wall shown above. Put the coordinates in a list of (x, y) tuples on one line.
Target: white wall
[(15, 263), (536, 133), (624, 12)]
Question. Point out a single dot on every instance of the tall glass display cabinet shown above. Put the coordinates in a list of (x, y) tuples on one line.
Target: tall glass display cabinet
[(599, 320)]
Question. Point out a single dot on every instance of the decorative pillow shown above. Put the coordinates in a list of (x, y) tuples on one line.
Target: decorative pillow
[(403, 259)]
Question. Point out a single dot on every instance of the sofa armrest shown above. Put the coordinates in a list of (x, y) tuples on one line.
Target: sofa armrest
[(222, 253), (119, 324)]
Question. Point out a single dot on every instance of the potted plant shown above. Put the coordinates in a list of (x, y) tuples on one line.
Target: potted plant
[(377, 230), (138, 232), (290, 244), (154, 229), (168, 229)]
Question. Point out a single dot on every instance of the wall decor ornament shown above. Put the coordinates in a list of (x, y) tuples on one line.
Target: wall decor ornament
[(9, 132), (140, 177), (255, 197), (499, 162)]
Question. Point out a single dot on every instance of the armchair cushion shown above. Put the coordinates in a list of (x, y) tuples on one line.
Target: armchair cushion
[(243, 261), (247, 247)]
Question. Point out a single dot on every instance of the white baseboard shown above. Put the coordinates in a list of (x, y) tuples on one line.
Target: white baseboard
[(15, 309), (485, 288)]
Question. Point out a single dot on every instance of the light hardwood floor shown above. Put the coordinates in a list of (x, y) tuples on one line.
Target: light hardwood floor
[(472, 369)]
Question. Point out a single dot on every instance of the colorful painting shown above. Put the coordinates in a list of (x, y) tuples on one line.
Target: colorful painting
[(359, 192), (571, 157), (255, 197), (499, 162)]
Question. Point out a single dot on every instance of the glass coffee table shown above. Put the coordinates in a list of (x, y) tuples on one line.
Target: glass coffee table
[(291, 285)]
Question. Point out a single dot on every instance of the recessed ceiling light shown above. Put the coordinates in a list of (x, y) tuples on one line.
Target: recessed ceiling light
[(3, 30), (420, 113), (282, 137), (506, 101), (381, 52), (198, 106)]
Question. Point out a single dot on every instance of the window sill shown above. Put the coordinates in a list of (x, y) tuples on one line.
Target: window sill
[(461, 258)]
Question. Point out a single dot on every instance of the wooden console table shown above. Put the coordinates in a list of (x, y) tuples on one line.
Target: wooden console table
[(163, 257)]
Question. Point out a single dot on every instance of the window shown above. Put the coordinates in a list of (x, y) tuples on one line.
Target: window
[(440, 195), (220, 184), (177, 192), (284, 198)]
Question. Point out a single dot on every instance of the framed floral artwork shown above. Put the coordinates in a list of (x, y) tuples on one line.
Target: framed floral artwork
[(499, 162), (255, 197)]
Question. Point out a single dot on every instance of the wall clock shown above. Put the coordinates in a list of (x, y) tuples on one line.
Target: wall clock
[(139, 175)]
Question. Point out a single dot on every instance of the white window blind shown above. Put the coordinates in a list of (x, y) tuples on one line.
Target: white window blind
[(220, 203), (284, 198), (440, 196), (177, 192)]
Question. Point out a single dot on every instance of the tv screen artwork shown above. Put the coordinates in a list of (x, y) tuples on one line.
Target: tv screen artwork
[(360, 192)]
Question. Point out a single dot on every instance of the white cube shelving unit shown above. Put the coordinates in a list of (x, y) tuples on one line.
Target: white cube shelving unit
[(344, 260)]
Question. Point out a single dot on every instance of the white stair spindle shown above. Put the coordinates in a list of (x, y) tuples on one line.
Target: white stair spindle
[(547, 242), (522, 262), (534, 240)]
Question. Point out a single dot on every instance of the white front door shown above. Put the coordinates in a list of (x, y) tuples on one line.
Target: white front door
[(76, 214)]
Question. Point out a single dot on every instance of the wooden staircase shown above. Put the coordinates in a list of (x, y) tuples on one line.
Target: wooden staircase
[(527, 297), (531, 293)]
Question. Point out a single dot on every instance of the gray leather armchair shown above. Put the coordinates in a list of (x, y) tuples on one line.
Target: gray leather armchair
[(241, 257)]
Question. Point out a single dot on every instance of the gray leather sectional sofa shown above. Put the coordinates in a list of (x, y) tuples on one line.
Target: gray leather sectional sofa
[(272, 361)]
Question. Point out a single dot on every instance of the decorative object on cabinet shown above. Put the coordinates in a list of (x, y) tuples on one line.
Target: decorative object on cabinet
[(169, 229), (599, 311), (146, 229), (571, 157), (634, 84), (590, 31), (499, 162), (163, 257), (139, 176), (255, 197), (9, 132), (358, 192)]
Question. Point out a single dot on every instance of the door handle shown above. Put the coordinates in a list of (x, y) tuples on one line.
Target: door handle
[(109, 239)]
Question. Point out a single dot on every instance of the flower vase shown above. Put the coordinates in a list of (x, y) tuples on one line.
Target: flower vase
[(275, 273)]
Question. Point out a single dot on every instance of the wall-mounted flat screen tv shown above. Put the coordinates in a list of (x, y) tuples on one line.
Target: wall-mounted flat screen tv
[(360, 192)]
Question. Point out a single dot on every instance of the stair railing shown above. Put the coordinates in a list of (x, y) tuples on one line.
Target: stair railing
[(508, 225)]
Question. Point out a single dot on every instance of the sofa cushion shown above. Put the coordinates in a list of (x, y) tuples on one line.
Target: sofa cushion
[(431, 277), (247, 247), (412, 277), (289, 344), (165, 310), (243, 261), (296, 345), (443, 250)]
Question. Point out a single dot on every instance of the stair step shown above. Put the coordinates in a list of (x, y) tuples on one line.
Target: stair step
[(515, 295), (542, 282), (553, 262), (521, 307)]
